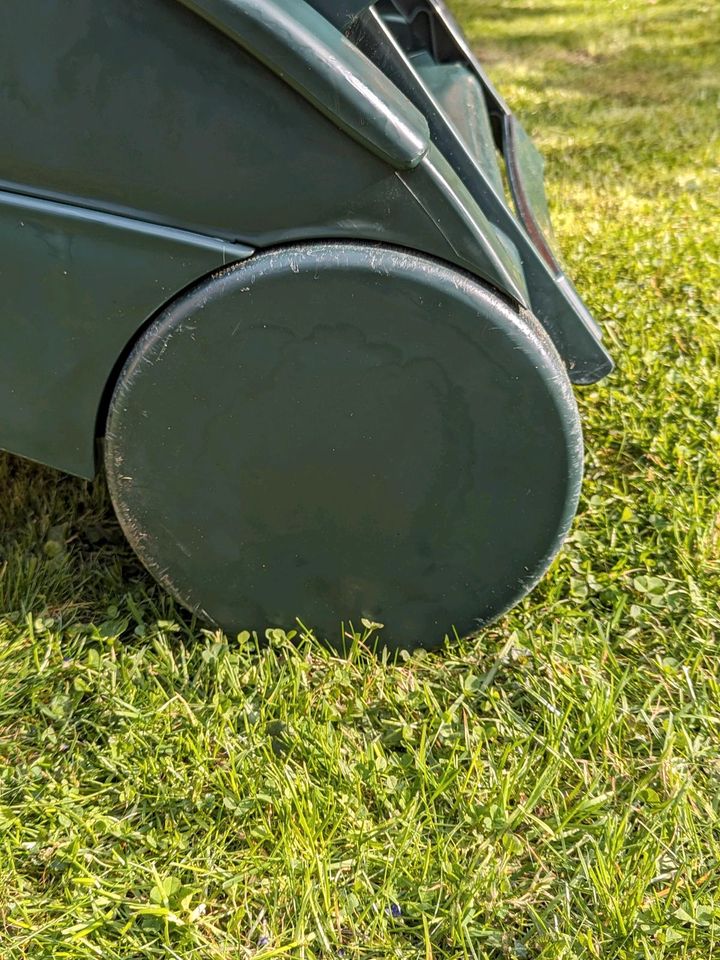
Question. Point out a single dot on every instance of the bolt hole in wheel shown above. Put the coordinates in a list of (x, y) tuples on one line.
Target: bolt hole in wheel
[(337, 431)]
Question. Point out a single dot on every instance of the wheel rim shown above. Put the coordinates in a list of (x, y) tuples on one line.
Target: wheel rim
[(338, 431)]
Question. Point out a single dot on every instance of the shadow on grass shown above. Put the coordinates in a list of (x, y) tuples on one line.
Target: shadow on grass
[(62, 552)]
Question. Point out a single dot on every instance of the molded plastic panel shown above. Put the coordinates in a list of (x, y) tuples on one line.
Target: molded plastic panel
[(551, 298), (526, 173), (460, 96), (340, 12), (143, 108), (76, 286), (299, 45)]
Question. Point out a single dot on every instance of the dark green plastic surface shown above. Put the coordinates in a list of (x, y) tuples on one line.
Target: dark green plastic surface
[(396, 48), (340, 12), (299, 45), (345, 430), (203, 139), (460, 97), (359, 414), (207, 138), (76, 285)]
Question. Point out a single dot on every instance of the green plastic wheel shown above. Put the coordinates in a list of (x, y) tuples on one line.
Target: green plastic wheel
[(340, 431)]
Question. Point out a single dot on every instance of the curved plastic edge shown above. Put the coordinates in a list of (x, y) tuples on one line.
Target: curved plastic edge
[(545, 290), (520, 324), (77, 286), (474, 241), (304, 49), (560, 388)]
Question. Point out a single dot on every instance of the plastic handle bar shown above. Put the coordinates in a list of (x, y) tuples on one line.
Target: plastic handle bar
[(302, 47)]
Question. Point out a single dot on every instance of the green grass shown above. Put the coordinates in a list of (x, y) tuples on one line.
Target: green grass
[(548, 790)]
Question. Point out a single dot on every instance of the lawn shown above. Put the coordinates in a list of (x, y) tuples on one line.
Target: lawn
[(549, 789)]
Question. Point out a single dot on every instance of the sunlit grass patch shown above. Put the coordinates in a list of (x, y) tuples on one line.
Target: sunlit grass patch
[(549, 790)]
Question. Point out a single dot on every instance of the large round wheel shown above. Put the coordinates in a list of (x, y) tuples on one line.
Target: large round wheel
[(340, 431)]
